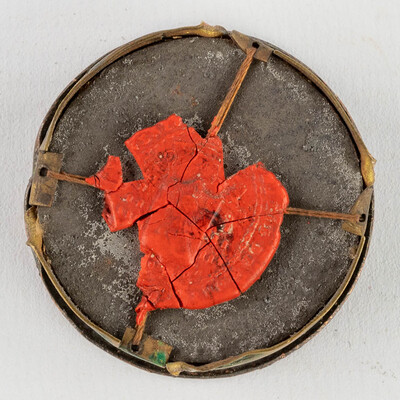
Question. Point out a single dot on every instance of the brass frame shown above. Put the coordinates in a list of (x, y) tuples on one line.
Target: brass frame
[(250, 358)]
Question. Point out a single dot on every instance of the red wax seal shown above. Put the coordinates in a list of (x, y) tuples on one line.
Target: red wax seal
[(205, 239)]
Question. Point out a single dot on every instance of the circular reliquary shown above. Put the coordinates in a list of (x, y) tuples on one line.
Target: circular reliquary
[(201, 202)]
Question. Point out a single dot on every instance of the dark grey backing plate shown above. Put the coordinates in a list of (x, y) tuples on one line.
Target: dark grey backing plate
[(279, 118)]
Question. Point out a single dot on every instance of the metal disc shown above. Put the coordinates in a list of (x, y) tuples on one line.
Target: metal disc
[(280, 118)]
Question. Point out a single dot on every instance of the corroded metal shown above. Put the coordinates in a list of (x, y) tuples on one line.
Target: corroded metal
[(151, 350), (203, 30), (35, 242), (367, 161)]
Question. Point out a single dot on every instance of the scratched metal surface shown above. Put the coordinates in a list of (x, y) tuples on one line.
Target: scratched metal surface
[(278, 118)]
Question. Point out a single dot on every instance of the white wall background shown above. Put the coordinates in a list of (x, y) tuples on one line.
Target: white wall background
[(353, 45)]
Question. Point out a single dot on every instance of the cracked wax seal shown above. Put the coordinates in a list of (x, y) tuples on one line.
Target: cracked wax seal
[(158, 210)]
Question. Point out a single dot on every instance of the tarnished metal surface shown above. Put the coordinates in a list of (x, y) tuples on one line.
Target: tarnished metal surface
[(279, 118), (366, 159)]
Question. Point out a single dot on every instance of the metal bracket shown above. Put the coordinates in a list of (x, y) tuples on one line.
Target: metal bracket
[(149, 349), (44, 187), (360, 207), (245, 42)]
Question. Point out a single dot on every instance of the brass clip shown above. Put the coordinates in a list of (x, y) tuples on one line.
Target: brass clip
[(43, 186), (246, 42), (360, 207), (150, 349)]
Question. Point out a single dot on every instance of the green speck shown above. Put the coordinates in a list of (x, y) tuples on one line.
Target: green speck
[(158, 357)]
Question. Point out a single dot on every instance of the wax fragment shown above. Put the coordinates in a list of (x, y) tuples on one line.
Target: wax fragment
[(247, 246), (173, 237), (109, 178), (205, 239), (156, 287), (207, 282)]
